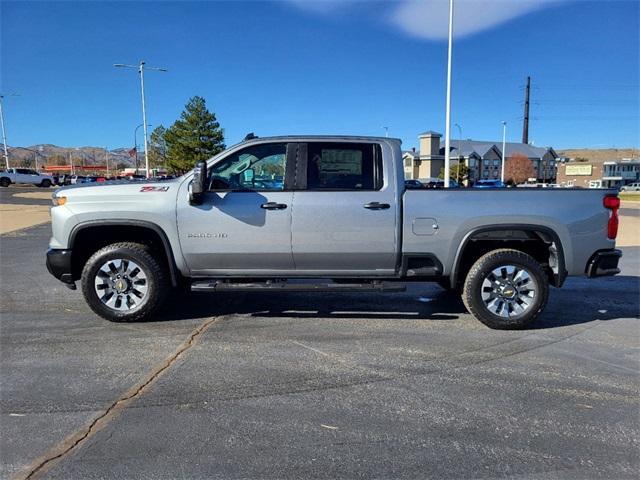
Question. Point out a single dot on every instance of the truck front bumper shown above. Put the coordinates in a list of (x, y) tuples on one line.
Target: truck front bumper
[(59, 265), (603, 263)]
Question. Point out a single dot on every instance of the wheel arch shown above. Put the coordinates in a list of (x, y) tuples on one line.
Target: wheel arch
[(111, 231), (503, 233)]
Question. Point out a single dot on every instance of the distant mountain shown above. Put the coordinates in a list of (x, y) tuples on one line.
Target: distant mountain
[(55, 154), (600, 155)]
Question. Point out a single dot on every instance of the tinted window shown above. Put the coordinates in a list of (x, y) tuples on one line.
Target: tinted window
[(344, 166), (260, 167)]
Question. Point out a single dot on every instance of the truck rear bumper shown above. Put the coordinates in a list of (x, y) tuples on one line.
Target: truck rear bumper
[(59, 265), (603, 263)]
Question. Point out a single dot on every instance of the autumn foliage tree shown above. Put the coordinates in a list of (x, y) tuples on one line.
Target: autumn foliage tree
[(518, 169)]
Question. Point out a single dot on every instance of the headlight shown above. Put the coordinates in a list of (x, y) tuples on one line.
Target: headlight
[(57, 201)]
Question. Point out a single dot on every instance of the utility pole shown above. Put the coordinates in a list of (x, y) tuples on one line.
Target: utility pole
[(141, 68), (447, 127), (525, 126)]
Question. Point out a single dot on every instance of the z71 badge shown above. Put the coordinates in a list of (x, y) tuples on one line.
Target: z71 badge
[(153, 188)]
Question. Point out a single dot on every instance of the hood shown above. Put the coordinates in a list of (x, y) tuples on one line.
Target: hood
[(119, 190)]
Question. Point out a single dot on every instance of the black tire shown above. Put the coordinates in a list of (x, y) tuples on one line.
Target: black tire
[(523, 299), (5, 182), (46, 183), (156, 282)]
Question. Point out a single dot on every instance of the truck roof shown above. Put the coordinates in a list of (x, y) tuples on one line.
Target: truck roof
[(329, 138)]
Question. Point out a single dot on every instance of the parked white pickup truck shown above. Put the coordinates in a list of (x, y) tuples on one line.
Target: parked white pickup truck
[(26, 176)]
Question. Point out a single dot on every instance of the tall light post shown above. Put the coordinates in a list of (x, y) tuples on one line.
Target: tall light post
[(135, 143), (459, 150), (4, 133), (447, 128), (141, 68), (504, 149)]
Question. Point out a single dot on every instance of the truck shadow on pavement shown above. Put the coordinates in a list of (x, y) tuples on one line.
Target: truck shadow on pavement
[(579, 301)]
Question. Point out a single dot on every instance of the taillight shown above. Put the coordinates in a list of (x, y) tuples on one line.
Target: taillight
[(612, 203)]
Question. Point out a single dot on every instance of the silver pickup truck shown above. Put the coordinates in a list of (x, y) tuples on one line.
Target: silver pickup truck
[(326, 213)]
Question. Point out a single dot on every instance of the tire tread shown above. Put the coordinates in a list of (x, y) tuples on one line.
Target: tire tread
[(157, 294), (504, 255)]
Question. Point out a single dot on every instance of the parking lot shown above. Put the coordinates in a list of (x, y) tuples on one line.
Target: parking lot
[(315, 385)]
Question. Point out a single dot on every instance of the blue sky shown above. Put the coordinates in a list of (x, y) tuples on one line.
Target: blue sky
[(329, 67)]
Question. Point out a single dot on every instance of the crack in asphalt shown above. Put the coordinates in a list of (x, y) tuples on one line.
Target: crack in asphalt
[(58, 452)]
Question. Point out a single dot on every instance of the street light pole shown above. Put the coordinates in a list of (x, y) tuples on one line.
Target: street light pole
[(135, 142), (459, 151), (447, 132), (141, 68), (504, 149), (4, 135)]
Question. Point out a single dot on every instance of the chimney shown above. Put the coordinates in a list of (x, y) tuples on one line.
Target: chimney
[(413, 149), (429, 143)]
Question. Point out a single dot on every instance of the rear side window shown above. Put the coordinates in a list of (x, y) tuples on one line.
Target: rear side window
[(344, 166)]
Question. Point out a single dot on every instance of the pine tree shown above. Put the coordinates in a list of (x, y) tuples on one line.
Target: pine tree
[(195, 137), (158, 147)]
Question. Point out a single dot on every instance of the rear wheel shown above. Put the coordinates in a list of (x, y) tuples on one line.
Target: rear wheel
[(46, 183), (124, 282), (506, 289), (4, 182)]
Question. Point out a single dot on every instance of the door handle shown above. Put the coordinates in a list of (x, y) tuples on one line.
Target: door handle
[(273, 206), (377, 206)]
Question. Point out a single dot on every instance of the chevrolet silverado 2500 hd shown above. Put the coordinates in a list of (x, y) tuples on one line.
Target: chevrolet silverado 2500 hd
[(325, 213)]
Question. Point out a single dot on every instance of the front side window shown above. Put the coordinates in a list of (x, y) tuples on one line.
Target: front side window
[(259, 167), (344, 166)]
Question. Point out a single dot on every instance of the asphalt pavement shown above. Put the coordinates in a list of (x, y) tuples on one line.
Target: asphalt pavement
[(315, 385)]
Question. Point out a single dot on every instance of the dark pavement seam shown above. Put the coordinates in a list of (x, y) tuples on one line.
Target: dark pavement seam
[(59, 451)]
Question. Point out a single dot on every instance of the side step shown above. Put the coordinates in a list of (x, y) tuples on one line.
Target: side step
[(217, 285)]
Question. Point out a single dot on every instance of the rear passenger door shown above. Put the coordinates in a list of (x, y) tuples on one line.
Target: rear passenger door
[(345, 213)]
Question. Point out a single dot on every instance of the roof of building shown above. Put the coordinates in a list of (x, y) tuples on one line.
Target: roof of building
[(468, 147)]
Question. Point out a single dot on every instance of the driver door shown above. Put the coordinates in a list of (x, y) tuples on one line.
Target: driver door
[(243, 227)]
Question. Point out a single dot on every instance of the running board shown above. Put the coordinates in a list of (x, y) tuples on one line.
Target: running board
[(215, 285)]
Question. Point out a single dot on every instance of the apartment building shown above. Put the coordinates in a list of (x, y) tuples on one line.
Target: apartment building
[(484, 158)]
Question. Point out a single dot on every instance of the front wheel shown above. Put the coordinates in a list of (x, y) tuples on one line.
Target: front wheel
[(4, 182), (45, 183), (123, 282), (506, 289)]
